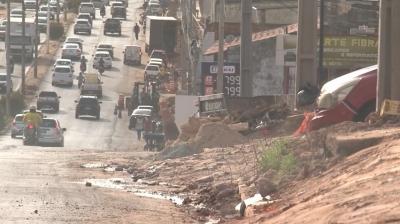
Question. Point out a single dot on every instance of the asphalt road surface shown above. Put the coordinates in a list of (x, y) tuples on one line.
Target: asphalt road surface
[(45, 184)]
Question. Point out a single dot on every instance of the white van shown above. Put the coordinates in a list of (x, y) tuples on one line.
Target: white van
[(132, 55)]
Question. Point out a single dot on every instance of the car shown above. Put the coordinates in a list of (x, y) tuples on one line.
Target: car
[(75, 40), (82, 26), (17, 13), (156, 53), (98, 3), (43, 10), (119, 12), (106, 47), (106, 58), (62, 75), (151, 72), (67, 62), (50, 132), (30, 4), (148, 107), (112, 26), (125, 2), (86, 16), (116, 4), (18, 125), (87, 7), (54, 4), (3, 27), (92, 85), (48, 100), (87, 105), (3, 83), (42, 23), (154, 9), (351, 97), (71, 51), (132, 54)]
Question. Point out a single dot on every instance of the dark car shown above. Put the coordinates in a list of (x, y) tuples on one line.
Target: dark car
[(112, 26), (119, 12), (89, 106), (48, 100)]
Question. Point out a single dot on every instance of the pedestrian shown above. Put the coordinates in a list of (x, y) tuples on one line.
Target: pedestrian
[(136, 30)]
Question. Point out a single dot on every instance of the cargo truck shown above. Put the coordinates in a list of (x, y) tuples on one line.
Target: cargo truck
[(161, 33), (17, 40)]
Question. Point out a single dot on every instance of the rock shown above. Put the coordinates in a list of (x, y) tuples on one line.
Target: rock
[(88, 184), (186, 201), (265, 187), (130, 170), (205, 179), (222, 186), (192, 186), (203, 211), (226, 193), (119, 168)]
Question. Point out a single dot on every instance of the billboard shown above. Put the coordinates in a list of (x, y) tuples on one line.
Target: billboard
[(209, 71), (350, 51)]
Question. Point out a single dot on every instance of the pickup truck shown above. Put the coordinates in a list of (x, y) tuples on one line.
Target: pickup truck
[(48, 100), (92, 85)]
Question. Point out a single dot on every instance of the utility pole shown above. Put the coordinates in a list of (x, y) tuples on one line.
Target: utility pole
[(246, 76), (36, 39), (8, 110), (58, 11), (321, 41), (23, 50), (221, 35), (306, 45), (48, 30)]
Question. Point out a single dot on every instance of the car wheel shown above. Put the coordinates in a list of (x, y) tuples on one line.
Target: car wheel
[(61, 143), (57, 109), (53, 84)]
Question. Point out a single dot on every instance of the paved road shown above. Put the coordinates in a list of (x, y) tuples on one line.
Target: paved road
[(44, 184)]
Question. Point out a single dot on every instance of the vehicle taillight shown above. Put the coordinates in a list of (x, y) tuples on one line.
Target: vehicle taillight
[(30, 126)]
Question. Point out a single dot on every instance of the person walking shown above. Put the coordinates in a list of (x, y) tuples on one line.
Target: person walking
[(136, 30)]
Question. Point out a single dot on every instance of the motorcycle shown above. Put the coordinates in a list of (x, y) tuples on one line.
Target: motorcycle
[(101, 69), (30, 137), (80, 80), (102, 12)]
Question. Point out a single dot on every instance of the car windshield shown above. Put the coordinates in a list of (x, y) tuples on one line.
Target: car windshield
[(71, 46), (87, 101), (104, 46), (112, 21), (19, 118), (62, 69), (102, 55), (152, 68), (81, 22), (3, 78), (63, 63), (42, 14), (48, 94), (42, 20), (48, 123)]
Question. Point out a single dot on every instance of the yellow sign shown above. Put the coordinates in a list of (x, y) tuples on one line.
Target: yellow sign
[(390, 107)]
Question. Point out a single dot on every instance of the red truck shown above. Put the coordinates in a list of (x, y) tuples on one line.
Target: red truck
[(351, 97)]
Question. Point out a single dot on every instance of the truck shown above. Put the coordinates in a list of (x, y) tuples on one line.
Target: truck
[(17, 40), (161, 33)]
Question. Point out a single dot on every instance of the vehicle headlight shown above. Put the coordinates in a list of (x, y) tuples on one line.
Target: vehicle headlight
[(329, 100)]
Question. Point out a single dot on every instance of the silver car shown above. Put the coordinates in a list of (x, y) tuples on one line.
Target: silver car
[(18, 125), (50, 132), (71, 51)]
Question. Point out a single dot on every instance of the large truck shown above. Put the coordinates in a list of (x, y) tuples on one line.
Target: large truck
[(161, 33), (17, 40)]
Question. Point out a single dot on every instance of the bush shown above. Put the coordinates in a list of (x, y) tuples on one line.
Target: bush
[(277, 157), (56, 30), (73, 5)]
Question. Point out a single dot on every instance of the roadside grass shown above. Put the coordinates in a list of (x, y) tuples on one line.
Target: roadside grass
[(17, 104), (278, 157)]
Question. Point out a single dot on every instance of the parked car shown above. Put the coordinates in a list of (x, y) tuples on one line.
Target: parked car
[(48, 100), (3, 83), (66, 62), (62, 75), (42, 23), (86, 16), (119, 12), (17, 13), (43, 10), (30, 4), (82, 26), (106, 58), (112, 26), (151, 72), (18, 125), (50, 132), (71, 51), (106, 47), (350, 97), (132, 54), (87, 105), (75, 40), (87, 7)]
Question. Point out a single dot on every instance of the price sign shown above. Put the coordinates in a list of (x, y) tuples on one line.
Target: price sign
[(231, 81), (232, 85)]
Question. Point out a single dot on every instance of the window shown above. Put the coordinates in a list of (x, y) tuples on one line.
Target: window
[(48, 94), (48, 123), (62, 70)]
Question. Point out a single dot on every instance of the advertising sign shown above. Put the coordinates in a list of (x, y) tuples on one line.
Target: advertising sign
[(350, 51), (209, 71)]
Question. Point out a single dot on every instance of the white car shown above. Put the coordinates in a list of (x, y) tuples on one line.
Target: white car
[(87, 7), (30, 4), (106, 47), (106, 58), (50, 132), (71, 51), (66, 62), (17, 13), (62, 75), (151, 72), (18, 126), (74, 40), (44, 8)]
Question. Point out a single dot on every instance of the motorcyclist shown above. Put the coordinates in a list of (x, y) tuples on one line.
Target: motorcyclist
[(32, 118), (101, 66), (103, 11), (83, 64), (80, 79)]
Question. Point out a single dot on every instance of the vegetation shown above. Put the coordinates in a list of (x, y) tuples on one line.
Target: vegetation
[(56, 30), (17, 104), (278, 157)]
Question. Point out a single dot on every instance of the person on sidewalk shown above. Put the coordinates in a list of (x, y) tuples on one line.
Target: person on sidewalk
[(136, 30)]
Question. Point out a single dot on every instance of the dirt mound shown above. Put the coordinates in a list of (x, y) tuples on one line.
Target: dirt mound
[(213, 135)]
